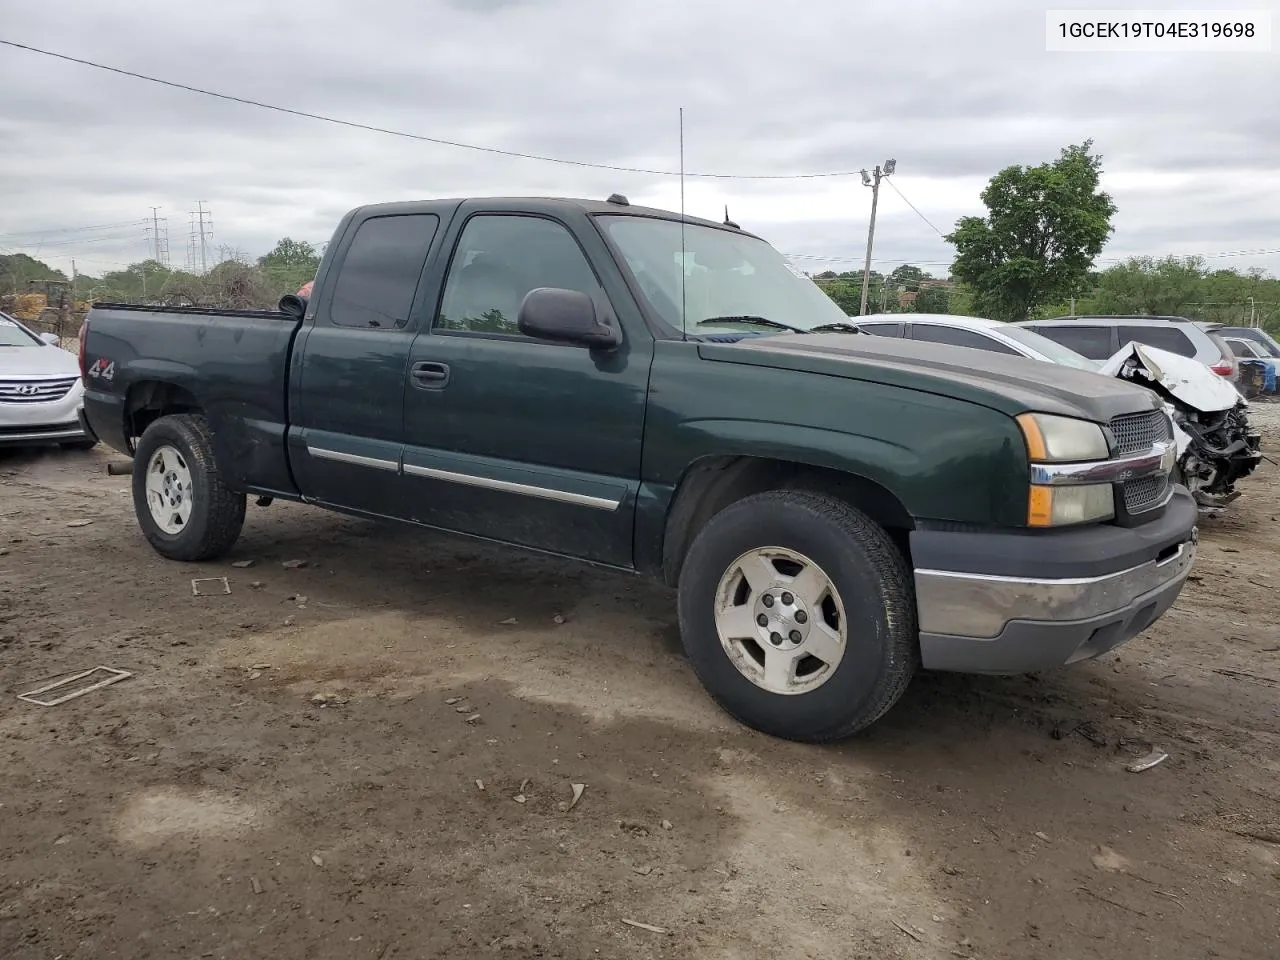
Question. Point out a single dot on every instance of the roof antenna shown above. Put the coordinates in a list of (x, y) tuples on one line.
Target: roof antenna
[(684, 265), (727, 221)]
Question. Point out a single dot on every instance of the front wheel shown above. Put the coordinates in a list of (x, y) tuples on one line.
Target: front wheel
[(798, 615), (184, 505)]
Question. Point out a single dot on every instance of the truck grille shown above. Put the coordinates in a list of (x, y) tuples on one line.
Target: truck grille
[(1145, 494), (1135, 432), (35, 391)]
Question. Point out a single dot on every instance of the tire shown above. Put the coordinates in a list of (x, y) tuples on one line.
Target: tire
[(864, 572), (215, 512)]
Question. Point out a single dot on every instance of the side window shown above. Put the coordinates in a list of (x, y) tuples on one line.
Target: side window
[(934, 333), (379, 274), (882, 329), (1091, 342), (1162, 338), (499, 259)]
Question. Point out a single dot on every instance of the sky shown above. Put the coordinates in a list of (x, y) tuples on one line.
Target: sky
[(952, 91)]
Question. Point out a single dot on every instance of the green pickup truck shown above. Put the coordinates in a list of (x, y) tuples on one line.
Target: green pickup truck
[(667, 396)]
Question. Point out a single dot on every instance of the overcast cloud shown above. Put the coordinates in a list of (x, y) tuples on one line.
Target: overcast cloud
[(953, 91)]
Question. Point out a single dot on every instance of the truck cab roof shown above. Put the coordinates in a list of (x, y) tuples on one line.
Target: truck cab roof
[(547, 205)]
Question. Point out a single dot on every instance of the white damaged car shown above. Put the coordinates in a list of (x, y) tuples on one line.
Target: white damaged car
[(1215, 443), (41, 394)]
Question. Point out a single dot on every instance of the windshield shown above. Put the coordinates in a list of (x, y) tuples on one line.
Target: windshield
[(1056, 352), (13, 335), (726, 274)]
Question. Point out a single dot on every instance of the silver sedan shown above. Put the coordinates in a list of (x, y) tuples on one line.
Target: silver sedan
[(41, 394)]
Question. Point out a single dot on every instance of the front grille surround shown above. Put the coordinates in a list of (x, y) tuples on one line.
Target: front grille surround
[(1145, 494), (36, 391), (1137, 433)]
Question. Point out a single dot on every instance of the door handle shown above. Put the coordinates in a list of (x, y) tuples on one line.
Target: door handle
[(430, 375)]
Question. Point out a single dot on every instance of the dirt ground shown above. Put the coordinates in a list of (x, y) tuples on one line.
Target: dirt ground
[(371, 756)]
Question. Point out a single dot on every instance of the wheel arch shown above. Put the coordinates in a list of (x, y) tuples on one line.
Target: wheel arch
[(148, 400), (713, 483)]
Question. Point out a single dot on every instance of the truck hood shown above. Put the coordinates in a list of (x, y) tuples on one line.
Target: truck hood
[(17, 363), (1012, 385)]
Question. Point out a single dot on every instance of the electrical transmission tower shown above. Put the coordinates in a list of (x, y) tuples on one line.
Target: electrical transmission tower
[(199, 238), (158, 235)]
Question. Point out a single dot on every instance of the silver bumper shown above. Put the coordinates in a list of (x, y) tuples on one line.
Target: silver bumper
[(973, 605)]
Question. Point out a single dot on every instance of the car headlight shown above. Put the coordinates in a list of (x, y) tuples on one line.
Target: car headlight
[(1052, 439), (1064, 506)]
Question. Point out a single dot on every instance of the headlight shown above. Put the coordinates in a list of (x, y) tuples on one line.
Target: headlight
[(1063, 506), (1053, 439)]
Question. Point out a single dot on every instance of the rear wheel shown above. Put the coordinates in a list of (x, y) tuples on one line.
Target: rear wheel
[(184, 506), (798, 615)]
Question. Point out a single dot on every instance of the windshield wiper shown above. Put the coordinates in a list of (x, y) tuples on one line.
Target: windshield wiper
[(837, 327), (750, 321)]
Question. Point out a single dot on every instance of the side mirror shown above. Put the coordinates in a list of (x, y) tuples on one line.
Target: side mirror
[(50, 338), (565, 316), (293, 305)]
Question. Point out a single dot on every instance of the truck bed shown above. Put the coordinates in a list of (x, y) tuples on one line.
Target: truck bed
[(234, 365)]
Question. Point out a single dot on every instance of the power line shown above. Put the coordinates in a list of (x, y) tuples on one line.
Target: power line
[(45, 244), (913, 207), (940, 263), (99, 226), (420, 137)]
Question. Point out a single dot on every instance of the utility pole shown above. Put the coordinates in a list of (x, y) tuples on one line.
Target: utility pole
[(159, 237), (204, 243), (872, 181), (1253, 322)]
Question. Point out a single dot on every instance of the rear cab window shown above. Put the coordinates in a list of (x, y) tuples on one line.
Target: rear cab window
[(378, 276)]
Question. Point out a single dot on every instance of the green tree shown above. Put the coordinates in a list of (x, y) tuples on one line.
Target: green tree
[(289, 265), (933, 300), (17, 269), (1171, 286), (844, 293), (1044, 227), (908, 276)]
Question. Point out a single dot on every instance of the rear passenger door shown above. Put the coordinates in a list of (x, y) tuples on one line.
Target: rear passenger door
[(517, 439), (349, 365), (1095, 343)]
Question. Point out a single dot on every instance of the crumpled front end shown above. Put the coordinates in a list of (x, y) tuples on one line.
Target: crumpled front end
[(1216, 445)]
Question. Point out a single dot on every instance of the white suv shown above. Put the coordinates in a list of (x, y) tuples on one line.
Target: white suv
[(1099, 337)]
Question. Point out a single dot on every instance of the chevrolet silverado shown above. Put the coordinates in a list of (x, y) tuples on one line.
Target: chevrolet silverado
[(667, 396)]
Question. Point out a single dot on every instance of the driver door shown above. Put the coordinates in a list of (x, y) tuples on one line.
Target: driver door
[(516, 439)]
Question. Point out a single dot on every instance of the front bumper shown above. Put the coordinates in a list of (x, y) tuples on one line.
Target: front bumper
[(38, 424), (51, 433), (1000, 623)]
